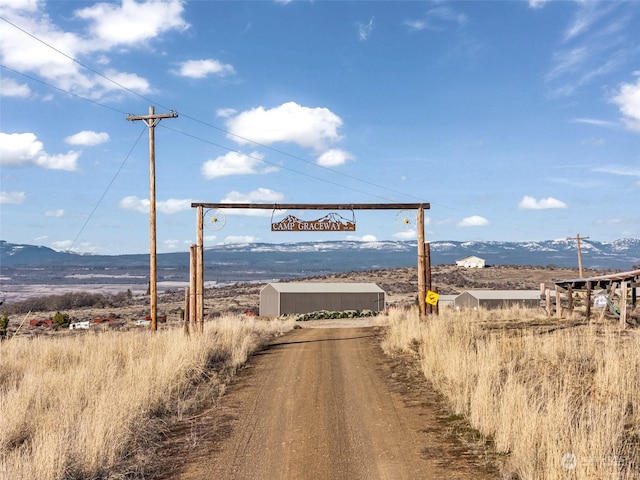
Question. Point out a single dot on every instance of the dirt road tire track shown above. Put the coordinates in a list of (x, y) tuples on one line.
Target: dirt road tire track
[(317, 404)]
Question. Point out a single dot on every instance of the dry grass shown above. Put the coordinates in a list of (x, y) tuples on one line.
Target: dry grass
[(562, 403), (84, 406)]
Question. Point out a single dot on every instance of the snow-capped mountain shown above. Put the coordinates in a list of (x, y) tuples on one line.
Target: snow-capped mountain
[(264, 261)]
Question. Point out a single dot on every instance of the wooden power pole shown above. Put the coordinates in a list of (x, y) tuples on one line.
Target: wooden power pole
[(152, 120), (577, 238)]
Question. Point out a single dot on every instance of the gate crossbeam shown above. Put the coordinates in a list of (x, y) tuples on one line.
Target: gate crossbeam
[(317, 206)]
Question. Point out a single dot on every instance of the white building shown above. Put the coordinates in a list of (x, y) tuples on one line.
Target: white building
[(470, 262)]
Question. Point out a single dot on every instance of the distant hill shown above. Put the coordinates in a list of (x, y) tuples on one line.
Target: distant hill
[(264, 261)]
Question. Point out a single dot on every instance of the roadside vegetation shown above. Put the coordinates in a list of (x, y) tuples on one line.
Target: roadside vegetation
[(94, 406), (560, 398)]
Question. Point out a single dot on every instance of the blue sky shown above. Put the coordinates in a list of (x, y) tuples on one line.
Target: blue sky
[(515, 120)]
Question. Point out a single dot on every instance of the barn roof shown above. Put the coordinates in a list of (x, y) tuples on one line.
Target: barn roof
[(325, 287), (469, 257), (602, 281), (504, 294)]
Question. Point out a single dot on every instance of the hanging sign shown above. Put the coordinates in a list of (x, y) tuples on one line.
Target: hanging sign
[(329, 223)]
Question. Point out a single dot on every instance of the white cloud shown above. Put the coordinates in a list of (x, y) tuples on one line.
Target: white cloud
[(27, 5), (473, 221), (11, 88), (628, 101), (54, 213), (308, 127), (134, 203), (537, 3), (14, 198), (619, 170), (202, 68), (128, 80), (595, 122), (448, 14), (171, 244), (108, 25), (241, 239), (415, 25), (61, 244), (225, 112), (20, 149), (334, 157), (87, 138), (405, 235), (530, 203), (596, 44), (586, 16), (143, 205), (365, 29), (132, 22), (364, 238), (173, 205), (235, 163), (260, 195)]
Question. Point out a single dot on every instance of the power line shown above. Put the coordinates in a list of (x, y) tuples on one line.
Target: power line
[(308, 175), (75, 60), (227, 132), (86, 222), (80, 97)]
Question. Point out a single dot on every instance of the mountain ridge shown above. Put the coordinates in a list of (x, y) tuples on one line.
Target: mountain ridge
[(618, 254)]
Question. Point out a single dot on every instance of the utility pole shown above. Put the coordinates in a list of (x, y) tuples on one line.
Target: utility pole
[(577, 238), (152, 120)]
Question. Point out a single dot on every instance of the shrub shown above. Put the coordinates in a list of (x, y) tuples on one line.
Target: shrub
[(4, 323), (332, 315), (61, 320)]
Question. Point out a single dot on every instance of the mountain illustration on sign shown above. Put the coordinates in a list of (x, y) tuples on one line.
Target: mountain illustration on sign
[(330, 222)]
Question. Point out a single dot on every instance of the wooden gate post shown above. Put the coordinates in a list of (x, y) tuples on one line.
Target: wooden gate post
[(422, 291), (623, 304), (185, 313), (192, 288), (200, 271)]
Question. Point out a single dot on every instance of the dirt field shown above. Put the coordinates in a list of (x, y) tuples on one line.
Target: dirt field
[(324, 403)]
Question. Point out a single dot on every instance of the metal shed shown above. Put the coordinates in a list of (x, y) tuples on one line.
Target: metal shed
[(303, 297), (497, 299)]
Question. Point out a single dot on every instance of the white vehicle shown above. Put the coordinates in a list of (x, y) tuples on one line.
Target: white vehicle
[(79, 325)]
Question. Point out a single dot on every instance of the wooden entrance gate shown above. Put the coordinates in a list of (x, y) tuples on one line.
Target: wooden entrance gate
[(194, 306)]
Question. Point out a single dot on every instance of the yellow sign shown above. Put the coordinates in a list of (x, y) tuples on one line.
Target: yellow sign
[(432, 298), (329, 223)]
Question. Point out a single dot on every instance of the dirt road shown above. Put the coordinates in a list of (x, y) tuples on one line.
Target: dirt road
[(323, 403)]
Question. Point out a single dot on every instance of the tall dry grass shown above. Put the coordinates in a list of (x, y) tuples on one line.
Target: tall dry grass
[(77, 406), (562, 404)]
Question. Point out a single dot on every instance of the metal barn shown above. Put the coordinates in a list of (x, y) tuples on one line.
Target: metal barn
[(278, 299), (489, 299)]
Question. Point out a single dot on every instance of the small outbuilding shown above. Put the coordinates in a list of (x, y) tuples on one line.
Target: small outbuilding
[(470, 262), (287, 298), (489, 299)]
